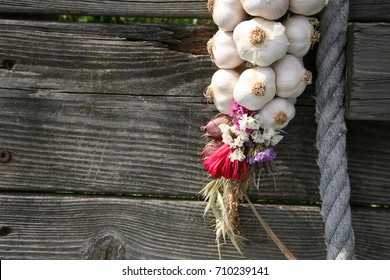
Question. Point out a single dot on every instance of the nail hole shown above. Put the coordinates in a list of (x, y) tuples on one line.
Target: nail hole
[(9, 64), (4, 231), (5, 156)]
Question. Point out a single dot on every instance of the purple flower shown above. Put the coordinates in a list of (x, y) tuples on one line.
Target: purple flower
[(250, 160), (262, 156), (248, 143)]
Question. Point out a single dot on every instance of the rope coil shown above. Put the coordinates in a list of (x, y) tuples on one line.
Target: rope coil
[(331, 131)]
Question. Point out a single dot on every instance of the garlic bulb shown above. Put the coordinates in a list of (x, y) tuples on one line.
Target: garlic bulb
[(268, 9), (223, 50), (291, 77), (301, 35), (307, 7), (260, 41), (226, 13), (277, 113), (220, 91), (255, 87)]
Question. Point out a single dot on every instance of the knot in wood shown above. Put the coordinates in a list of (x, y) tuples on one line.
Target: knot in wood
[(9, 64), (106, 247), (4, 231)]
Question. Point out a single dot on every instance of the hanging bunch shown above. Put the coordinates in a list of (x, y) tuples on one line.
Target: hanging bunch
[(256, 101)]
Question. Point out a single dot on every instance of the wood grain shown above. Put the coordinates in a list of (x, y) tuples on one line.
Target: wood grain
[(135, 8), (368, 146), (368, 71), (371, 227), (115, 110), (70, 128), (90, 227), (99, 113), (360, 10), (369, 10), (97, 227), (98, 143)]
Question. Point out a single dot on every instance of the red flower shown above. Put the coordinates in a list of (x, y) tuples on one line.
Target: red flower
[(219, 165)]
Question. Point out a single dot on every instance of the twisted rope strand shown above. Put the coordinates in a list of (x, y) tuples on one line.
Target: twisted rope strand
[(331, 131)]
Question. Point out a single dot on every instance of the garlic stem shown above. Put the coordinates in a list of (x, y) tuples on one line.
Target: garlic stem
[(280, 117), (307, 77), (210, 5), (269, 231), (314, 36), (210, 46), (209, 94), (257, 35), (258, 89)]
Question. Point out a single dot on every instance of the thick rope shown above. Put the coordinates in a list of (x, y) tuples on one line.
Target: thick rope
[(331, 131)]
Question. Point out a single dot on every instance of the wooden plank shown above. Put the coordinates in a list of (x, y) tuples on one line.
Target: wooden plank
[(135, 8), (101, 143), (368, 146), (81, 126), (84, 227), (369, 10), (360, 10), (368, 71), (371, 227), (102, 59)]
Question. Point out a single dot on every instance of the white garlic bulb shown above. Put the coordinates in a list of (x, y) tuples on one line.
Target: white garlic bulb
[(220, 91), (255, 87), (291, 77), (307, 7), (223, 50), (260, 41), (268, 9), (226, 13), (277, 113), (301, 35)]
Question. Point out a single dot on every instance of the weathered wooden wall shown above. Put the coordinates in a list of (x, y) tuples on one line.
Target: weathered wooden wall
[(102, 123)]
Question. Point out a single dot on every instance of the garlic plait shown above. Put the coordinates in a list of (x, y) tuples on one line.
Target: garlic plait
[(223, 50), (226, 13), (277, 113), (301, 35), (260, 41), (255, 87), (291, 77), (220, 91), (307, 7), (268, 9)]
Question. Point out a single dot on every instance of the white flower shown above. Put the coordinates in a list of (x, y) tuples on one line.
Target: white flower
[(257, 137), (259, 119), (237, 155), (227, 138), (240, 133), (224, 127), (268, 136), (268, 133), (276, 139), (233, 137), (248, 122), (237, 142)]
